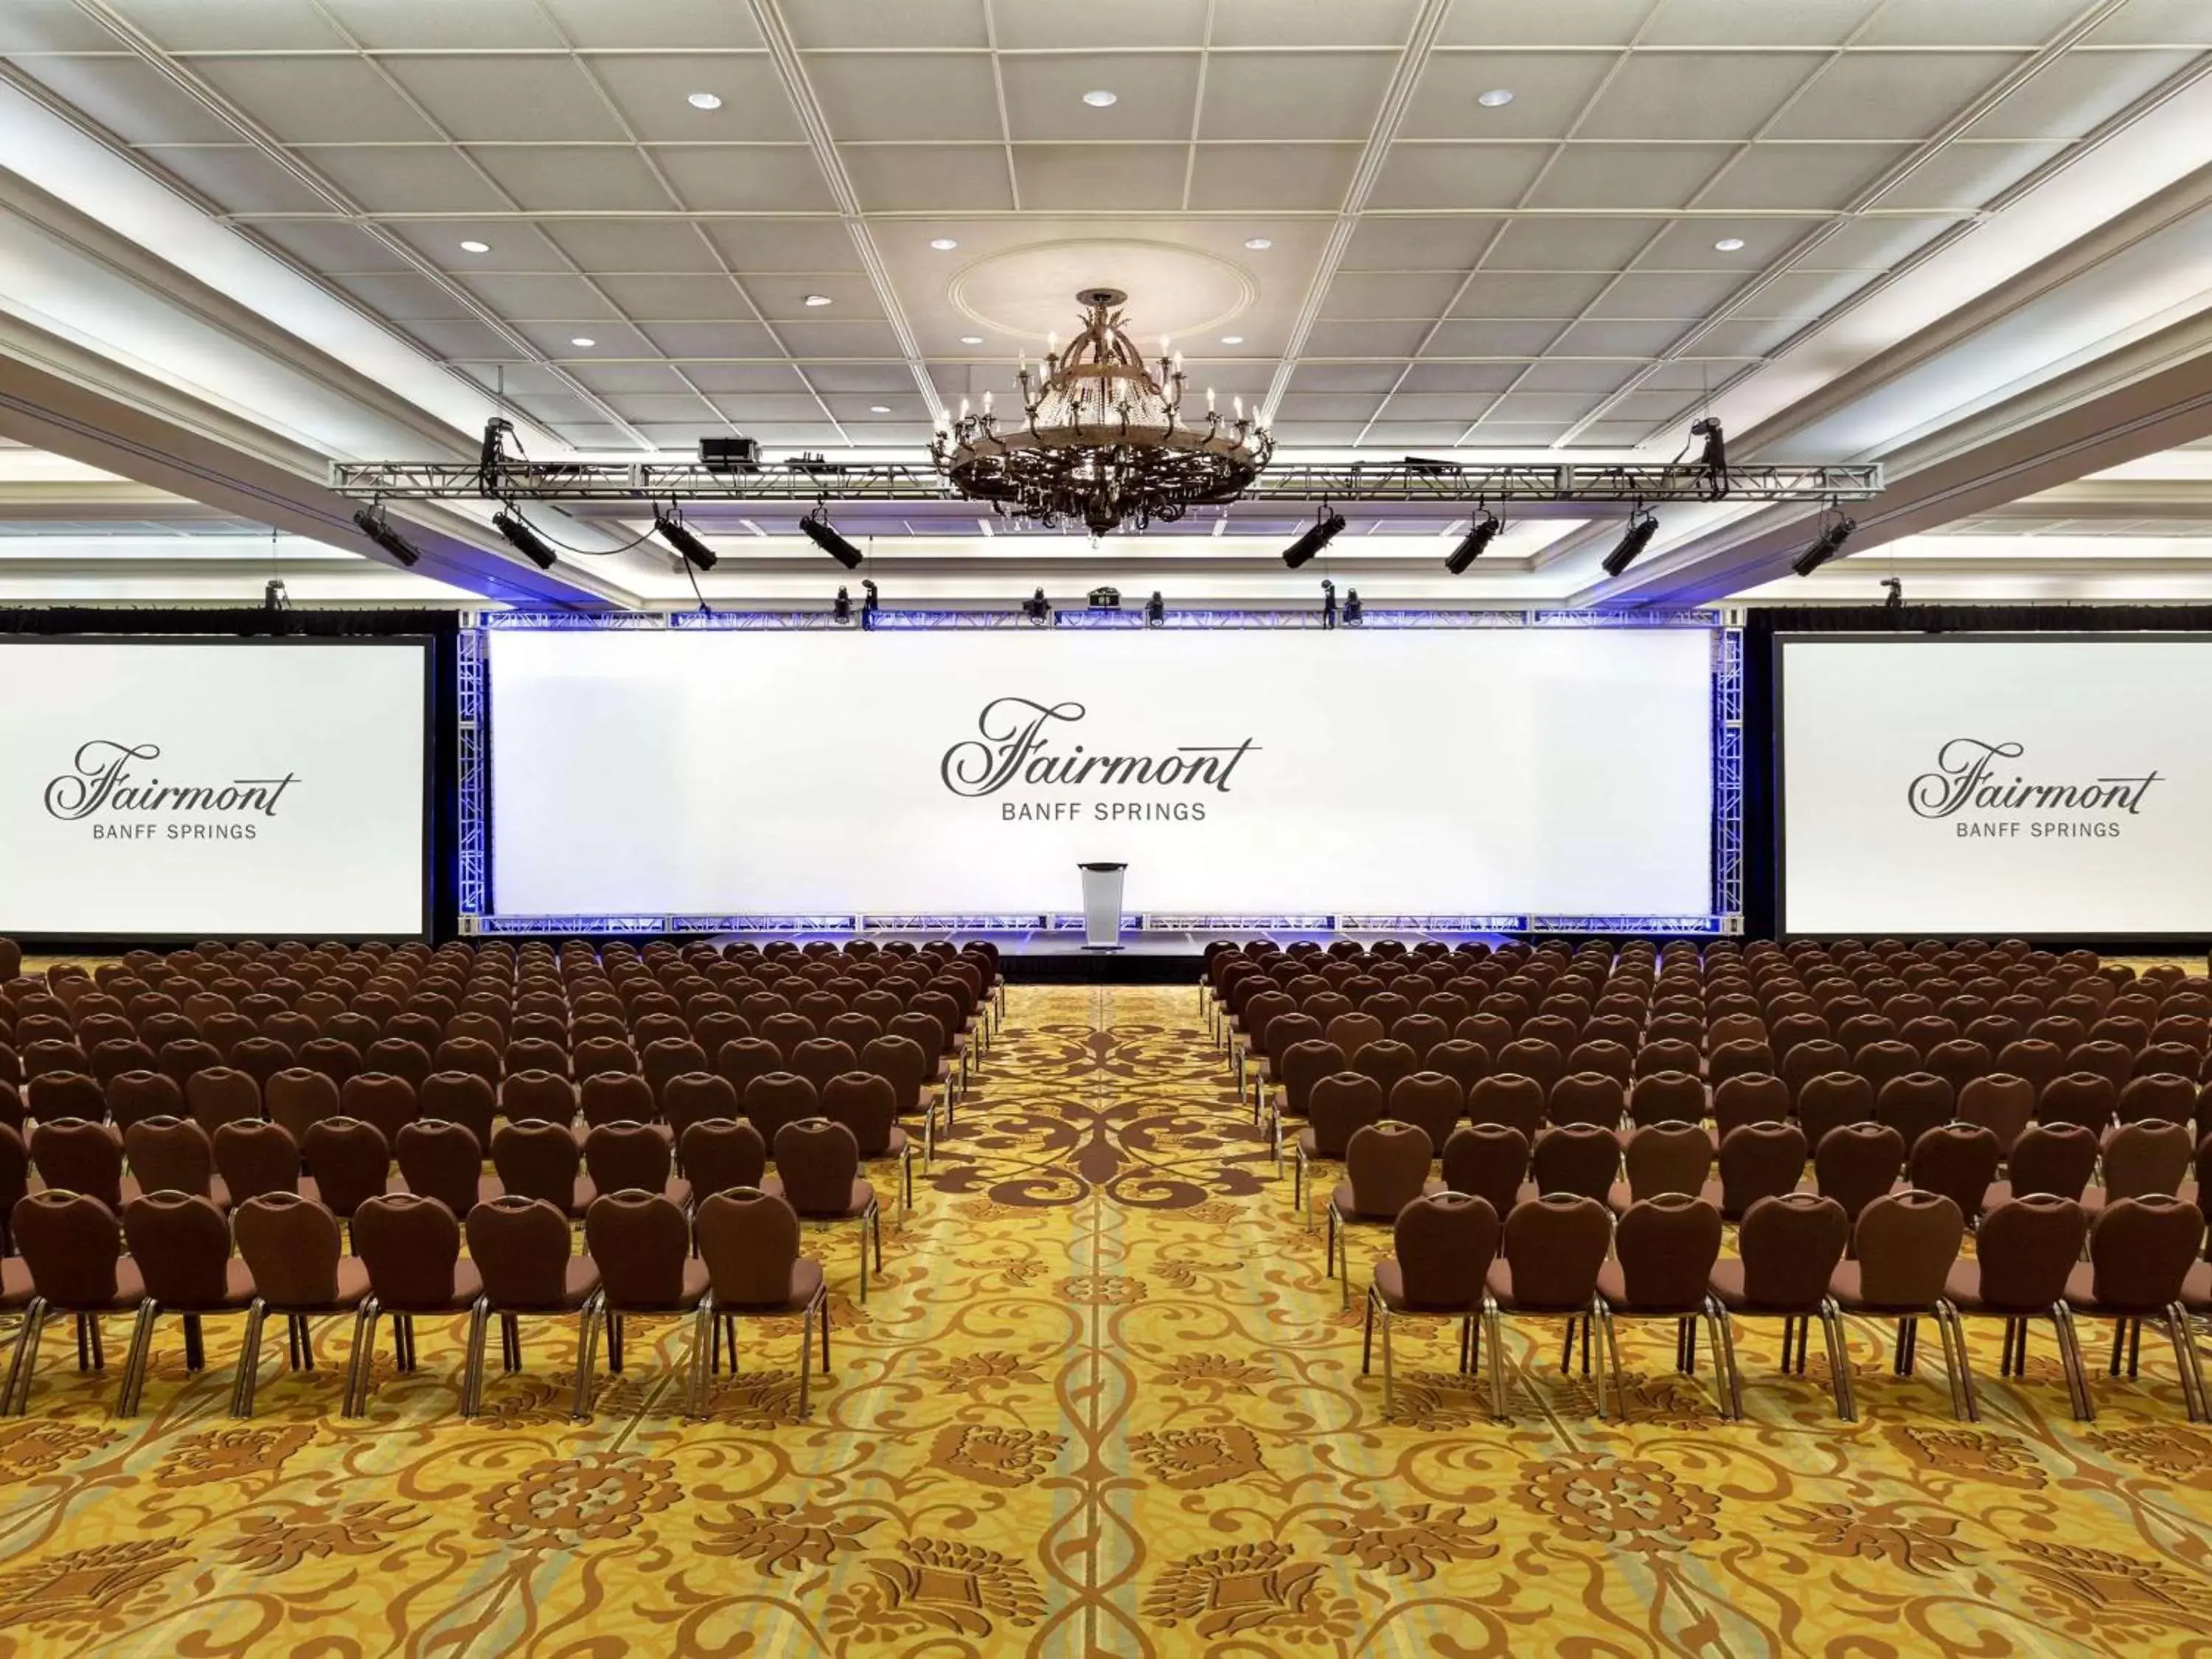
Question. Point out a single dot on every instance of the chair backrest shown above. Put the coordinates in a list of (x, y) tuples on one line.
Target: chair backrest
[(776, 1098), (220, 1095), (721, 1153), (290, 1244), (522, 1248), (2001, 1103), (2026, 1247), (1791, 1244), (2141, 1249), (1914, 1103), (170, 1154), (132, 1097), (1667, 1157), (1555, 1246), (618, 1097), (2141, 1159), (1750, 1097), (624, 1156), (1444, 1243), (1386, 1164), (441, 1160), (695, 1098), (1339, 1105), (255, 1157), (409, 1243), (1430, 1100), (1667, 1247), (384, 1098), (539, 1096), (1514, 1101), (467, 1098), (818, 1162), (182, 1246), (2157, 1096), (640, 1241), (70, 1243), (351, 1162), (2082, 1097), (1489, 1160), (1668, 1097), (1832, 1100), (74, 1156), (1582, 1158), (1906, 1244), (538, 1160), (749, 1241), (1591, 1097), (1857, 1163), (1959, 1160), (2056, 1158), (866, 1105)]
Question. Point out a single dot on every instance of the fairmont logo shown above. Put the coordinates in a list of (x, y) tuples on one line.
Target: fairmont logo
[(1969, 774), (102, 783), (1013, 737)]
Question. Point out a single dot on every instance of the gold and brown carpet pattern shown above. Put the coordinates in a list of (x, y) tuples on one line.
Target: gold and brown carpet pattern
[(1103, 1402)]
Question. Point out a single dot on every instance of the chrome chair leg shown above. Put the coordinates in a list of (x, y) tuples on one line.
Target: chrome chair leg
[(1839, 1360), (587, 1355), (134, 1363), (249, 1361)]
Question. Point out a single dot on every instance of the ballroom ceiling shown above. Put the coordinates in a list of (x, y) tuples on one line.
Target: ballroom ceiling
[(240, 238)]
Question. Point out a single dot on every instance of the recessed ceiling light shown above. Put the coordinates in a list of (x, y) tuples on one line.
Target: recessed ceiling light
[(476, 247), (1729, 244), (583, 340), (879, 409), (943, 244), (703, 101), (1232, 339), (1496, 98), (971, 339), (1101, 99), (1258, 244), (817, 299)]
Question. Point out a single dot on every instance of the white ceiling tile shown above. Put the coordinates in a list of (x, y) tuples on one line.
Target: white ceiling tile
[(609, 378), (1617, 339), (904, 405), (682, 435), (854, 378), (564, 178), (1343, 339), (1577, 375), (1382, 243), (1311, 22), (660, 299), (1281, 177), (1157, 94), (633, 244), (133, 100), (1562, 406), (2074, 96), (484, 24), (559, 297), (672, 23), (459, 339), (220, 25), (794, 434), (504, 377), (321, 245), (2163, 22), (1829, 176), (1294, 94), (1944, 23), (1423, 295), (1611, 435), (592, 435), (512, 99), (744, 377), (515, 246), (1870, 244), (239, 179), (933, 178), (407, 178), (660, 406), (1457, 175), (1644, 404), (871, 25), (652, 93), (859, 336), (1345, 377), (1462, 377), (1802, 293), (1614, 176), (1688, 244), (1316, 433), (1686, 94), (609, 339), (1668, 294), (52, 26), (1516, 434), (1700, 374), (1746, 337), (780, 297), (1460, 407), (1891, 94), (1023, 25), (1533, 294), (1748, 23), (1328, 406), (682, 341), (1460, 338), (1561, 244), (1549, 89), (1585, 22), (774, 181), (1144, 177), (751, 244), (890, 96), (1968, 175), (1415, 434), (405, 297), (304, 100)]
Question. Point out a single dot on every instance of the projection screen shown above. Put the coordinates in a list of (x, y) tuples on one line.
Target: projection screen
[(173, 789), (2049, 787), (1250, 772)]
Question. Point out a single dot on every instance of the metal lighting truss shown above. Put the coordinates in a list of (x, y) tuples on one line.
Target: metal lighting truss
[(476, 830), (1445, 482)]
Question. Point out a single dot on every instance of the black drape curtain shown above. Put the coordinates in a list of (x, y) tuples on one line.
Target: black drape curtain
[(1761, 823), (441, 628)]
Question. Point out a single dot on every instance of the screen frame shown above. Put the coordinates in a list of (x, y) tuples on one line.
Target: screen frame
[(1780, 794), (424, 644)]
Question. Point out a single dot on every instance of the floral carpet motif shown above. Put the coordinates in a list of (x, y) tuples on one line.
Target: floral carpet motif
[(1102, 1401)]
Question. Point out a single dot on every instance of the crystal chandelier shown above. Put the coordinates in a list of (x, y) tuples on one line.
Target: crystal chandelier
[(1101, 438)]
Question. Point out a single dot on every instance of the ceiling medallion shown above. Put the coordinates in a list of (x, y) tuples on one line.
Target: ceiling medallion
[(1101, 438)]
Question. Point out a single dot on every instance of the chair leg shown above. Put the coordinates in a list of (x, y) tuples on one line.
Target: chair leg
[(1726, 1360), (1329, 1246), (2184, 1360), (822, 1296), (195, 1346), (1590, 1321), (249, 1361), (1298, 1183), (1491, 1318), (876, 1231), (806, 1353), (2069, 1357), (703, 1324), (1390, 1370), (587, 1347), (1945, 1336), (362, 1363), (1839, 1360), (863, 1262), (472, 1363), (1611, 1363), (134, 1363), (17, 1398), (1715, 1324), (1949, 1315), (1367, 1338)]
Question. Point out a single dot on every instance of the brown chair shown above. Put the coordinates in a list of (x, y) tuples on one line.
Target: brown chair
[(619, 1098), (290, 1245), (2025, 1249), (2049, 1159), (1763, 1159), (2141, 1253), (1589, 1097), (817, 1172), (52, 1095), (1442, 1246), (253, 1159), (464, 1097), (73, 1156), (1789, 1247), (445, 1161), (538, 1096), (1516, 1101), (410, 1244), (1832, 1100), (1429, 1100), (642, 1245), (1555, 1248), (1582, 1158), (1660, 1159), (1338, 1106), (384, 1098), (542, 1160), (1960, 1161), (181, 1246), (132, 1097), (1752, 1097), (1664, 1248), (720, 1154), (522, 1250), (904, 1064), (626, 1156), (750, 1241), (2001, 1104), (1913, 1105), (867, 1105), (1385, 1167), (2082, 1097), (173, 1155), (477, 1056), (2143, 1160), (1488, 1160), (1668, 1097), (299, 1099), (1905, 1244), (72, 1250), (1857, 1163), (777, 1098), (2157, 1098), (351, 1161)]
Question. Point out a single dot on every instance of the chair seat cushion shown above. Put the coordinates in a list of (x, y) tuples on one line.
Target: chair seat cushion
[(1500, 1286), (1390, 1286), (860, 1201), (1340, 1201), (1726, 1283), (353, 1286), (1962, 1289), (1305, 1143), (696, 1281), (468, 1285), (15, 1282), (2082, 1297), (1613, 1286), (1848, 1287), (2196, 1289), (806, 1285)]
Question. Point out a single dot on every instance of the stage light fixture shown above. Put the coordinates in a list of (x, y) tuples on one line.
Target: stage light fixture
[(1037, 608), (1104, 598), (869, 604), (1893, 603), (509, 524), (1327, 603), (842, 610), (1712, 459), (1479, 535), (1301, 551), (815, 526), (1156, 610), (673, 530), (373, 526), (489, 457), (1351, 608), (1829, 543), (1642, 527)]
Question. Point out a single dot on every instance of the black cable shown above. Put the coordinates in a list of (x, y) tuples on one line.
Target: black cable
[(704, 608), (581, 552)]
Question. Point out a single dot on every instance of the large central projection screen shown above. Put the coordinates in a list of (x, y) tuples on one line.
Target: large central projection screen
[(2050, 786), (1252, 772)]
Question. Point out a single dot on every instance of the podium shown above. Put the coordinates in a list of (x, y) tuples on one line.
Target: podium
[(1102, 906)]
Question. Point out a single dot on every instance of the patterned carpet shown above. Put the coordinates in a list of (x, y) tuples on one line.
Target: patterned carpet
[(1103, 1402)]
